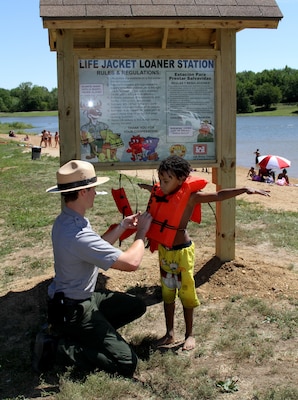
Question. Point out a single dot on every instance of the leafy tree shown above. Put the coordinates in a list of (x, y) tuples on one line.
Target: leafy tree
[(22, 92), (243, 99), (266, 95), (53, 100), (27, 97), (5, 100), (290, 94), (274, 77), (284, 82), (39, 98), (290, 86)]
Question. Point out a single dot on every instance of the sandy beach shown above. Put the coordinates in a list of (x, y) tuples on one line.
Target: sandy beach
[(281, 197)]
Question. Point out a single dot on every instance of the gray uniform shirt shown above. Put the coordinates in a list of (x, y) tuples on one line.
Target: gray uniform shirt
[(78, 253)]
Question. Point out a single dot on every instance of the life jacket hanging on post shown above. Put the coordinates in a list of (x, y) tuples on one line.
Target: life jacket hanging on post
[(124, 208), (121, 201), (167, 211)]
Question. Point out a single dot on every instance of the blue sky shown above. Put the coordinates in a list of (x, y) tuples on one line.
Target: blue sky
[(26, 56)]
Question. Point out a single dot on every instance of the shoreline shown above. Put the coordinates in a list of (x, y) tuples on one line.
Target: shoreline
[(282, 197)]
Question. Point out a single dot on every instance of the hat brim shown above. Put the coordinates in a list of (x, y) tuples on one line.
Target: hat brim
[(100, 181)]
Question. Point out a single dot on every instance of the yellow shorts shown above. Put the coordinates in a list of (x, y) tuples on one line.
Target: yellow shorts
[(176, 270)]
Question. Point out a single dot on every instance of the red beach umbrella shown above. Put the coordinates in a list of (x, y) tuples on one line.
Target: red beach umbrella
[(273, 162)]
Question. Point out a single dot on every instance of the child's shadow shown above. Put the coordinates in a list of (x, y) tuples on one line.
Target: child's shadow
[(209, 269)]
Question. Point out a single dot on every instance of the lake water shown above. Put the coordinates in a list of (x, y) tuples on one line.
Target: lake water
[(271, 135), (39, 123)]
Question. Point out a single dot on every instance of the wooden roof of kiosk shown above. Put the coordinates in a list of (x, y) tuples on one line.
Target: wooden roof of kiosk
[(159, 29)]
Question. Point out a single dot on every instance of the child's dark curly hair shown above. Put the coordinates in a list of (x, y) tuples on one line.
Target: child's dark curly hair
[(177, 165)]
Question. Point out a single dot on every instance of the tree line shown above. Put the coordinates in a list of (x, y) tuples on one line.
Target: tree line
[(28, 97), (259, 90), (262, 90)]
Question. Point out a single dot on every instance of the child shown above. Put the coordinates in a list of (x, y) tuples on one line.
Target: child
[(283, 178), (251, 173), (176, 198)]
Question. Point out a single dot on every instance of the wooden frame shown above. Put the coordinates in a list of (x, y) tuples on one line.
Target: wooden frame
[(164, 38), (153, 54)]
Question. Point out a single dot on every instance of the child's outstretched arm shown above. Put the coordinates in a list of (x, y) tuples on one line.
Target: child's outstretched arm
[(145, 186), (224, 194), (258, 191)]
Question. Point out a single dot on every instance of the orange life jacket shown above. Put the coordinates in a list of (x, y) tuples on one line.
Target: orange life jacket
[(167, 211)]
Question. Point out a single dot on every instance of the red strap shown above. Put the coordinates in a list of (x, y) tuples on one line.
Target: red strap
[(124, 235)]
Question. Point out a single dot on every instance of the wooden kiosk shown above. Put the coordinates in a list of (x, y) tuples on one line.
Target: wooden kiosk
[(140, 80)]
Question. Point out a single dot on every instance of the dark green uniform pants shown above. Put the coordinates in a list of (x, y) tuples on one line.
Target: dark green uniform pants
[(88, 333)]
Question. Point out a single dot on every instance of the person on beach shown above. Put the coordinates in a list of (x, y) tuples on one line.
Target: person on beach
[(257, 155), (251, 173), (173, 202), (282, 178), (44, 138), (86, 321), (49, 138), (266, 175), (56, 139)]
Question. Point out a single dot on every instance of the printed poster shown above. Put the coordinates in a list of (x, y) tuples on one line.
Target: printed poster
[(138, 111)]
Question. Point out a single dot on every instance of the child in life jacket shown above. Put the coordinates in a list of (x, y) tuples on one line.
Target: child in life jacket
[(172, 204)]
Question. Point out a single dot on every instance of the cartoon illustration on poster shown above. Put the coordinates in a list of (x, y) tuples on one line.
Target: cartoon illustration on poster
[(143, 148), (144, 110)]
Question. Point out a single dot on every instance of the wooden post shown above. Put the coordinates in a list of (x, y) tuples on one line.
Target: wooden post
[(225, 175), (67, 96)]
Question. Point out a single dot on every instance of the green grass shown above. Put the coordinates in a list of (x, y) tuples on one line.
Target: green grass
[(278, 110), (5, 126), (256, 224), (30, 114)]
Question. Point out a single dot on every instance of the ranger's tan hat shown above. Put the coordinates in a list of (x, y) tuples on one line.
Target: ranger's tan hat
[(76, 175)]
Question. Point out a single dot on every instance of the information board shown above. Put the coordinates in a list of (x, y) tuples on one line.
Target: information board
[(143, 110)]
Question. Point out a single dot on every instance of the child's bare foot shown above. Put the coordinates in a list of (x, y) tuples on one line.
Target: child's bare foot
[(166, 339), (189, 343)]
